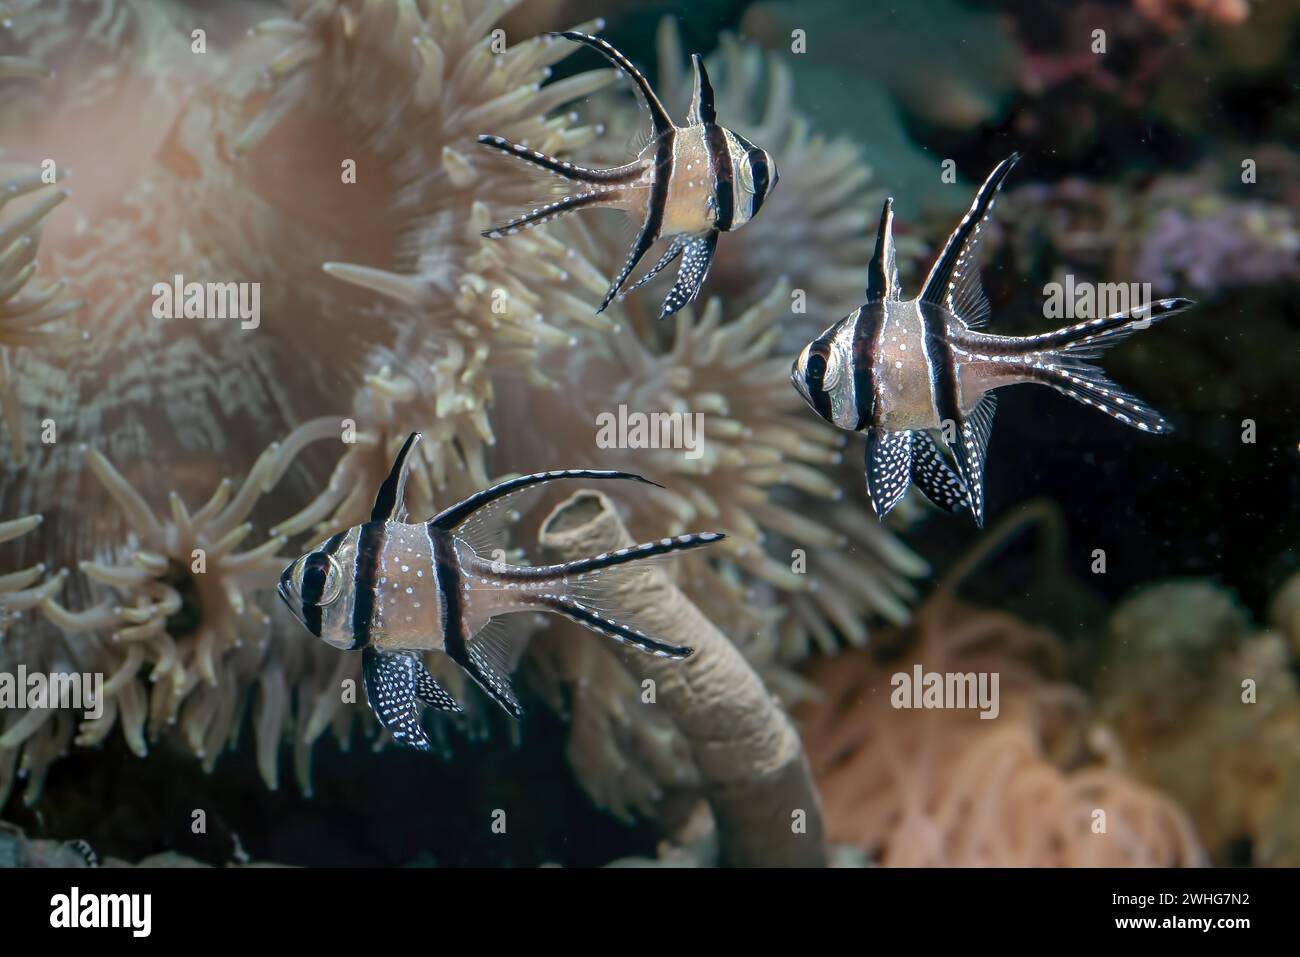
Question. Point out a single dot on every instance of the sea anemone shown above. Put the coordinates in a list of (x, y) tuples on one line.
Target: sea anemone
[(29, 316), (945, 788), (29, 739), (331, 158)]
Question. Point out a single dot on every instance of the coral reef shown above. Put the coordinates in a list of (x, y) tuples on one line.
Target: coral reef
[(29, 316), (330, 158), (1207, 709), (945, 787)]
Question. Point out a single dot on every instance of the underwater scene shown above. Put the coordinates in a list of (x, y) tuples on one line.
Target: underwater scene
[(592, 433)]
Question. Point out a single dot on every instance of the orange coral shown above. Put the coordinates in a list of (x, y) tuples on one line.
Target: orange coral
[(944, 787)]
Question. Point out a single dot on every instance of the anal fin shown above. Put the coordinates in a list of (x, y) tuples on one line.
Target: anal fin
[(970, 450)]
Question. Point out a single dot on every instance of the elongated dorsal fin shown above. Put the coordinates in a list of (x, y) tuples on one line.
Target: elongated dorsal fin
[(702, 108), (882, 274), (954, 280), (658, 115), (451, 518), (389, 502)]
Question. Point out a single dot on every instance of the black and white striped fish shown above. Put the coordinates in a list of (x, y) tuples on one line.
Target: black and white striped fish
[(688, 184), (897, 368), (394, 589)]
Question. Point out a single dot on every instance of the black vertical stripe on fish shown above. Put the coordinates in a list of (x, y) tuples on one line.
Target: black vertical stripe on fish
[(388, 500), (658, 115), (464, 653), (650, 229), (866, 333), (945, 393), (365, 580), (724, 175), (762, 177), (446, 567), (318, 564)]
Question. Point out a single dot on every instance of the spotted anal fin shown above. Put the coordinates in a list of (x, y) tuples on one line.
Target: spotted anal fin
[(954, 281), (389, 505), (658, 115), (697, 257), (889, 468), (970, 450), (932, 474), (391, 681), (702, 105), (882, 274)]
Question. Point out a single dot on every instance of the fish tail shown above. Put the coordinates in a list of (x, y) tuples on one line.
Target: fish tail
[(570, 171), (1086, 383), (1087, 340), (579, 611), (593, 591), (544, 214)]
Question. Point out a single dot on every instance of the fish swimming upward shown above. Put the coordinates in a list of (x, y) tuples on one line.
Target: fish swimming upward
[(897, 368), (688, 184), (394, 590)]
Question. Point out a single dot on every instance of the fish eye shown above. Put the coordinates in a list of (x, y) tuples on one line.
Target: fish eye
[(321, 581), (746, 176), (816, 367), (333, 583)]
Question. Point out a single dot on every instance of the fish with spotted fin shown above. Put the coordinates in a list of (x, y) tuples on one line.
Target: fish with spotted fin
[(897, 369), (689, 184), (394, 590)]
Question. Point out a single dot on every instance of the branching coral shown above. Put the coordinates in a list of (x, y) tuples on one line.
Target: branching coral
[(946, 787)]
